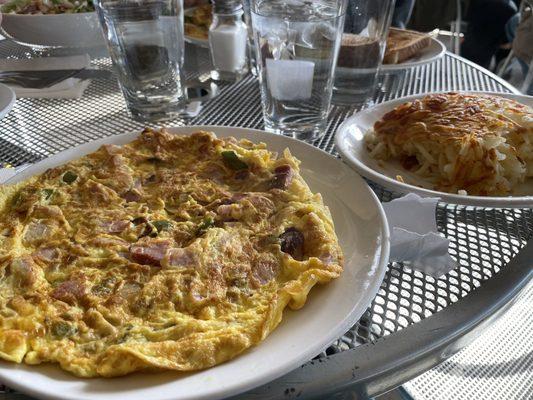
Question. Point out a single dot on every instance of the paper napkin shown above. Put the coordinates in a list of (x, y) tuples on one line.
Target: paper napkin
[(415, 239), (71, 88)]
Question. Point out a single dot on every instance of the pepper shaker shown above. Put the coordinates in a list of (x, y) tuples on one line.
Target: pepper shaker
[(227, 40)]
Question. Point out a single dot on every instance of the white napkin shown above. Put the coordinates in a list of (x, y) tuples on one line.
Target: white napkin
[(71, 88), (414, 235)]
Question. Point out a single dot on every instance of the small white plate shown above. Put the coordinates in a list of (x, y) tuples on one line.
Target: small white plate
[(7, 100), (350, 145), (433, 52), (330, 311), (191, 39)]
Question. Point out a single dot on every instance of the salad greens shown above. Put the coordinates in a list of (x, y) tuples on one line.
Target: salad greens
[(46, 6)]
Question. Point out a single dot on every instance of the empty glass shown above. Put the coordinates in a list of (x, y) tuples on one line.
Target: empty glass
[(296, 43), (145, 41), (362, 48)]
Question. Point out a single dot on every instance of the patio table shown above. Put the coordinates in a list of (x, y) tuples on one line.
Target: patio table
[(415, 321)]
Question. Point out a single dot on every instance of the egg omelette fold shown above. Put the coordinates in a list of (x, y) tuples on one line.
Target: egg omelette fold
[(171, 252)]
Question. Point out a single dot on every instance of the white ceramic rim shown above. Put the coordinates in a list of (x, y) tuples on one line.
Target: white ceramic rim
[(8, 97), (410, 64), (379, 266), (401, 187)]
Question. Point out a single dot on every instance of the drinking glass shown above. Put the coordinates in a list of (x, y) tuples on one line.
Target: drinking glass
[(297, 43), (252, 64), (362, 48), (145, 41)]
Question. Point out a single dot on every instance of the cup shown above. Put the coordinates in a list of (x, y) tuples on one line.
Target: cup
[(145, 41), (296, 44), (361, 53)]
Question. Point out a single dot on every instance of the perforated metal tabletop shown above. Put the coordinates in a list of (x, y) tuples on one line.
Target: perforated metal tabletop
[(415, 321)]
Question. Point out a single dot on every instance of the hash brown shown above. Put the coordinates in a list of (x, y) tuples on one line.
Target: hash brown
[(474, 143)]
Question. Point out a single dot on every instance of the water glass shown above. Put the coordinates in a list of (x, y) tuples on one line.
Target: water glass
[(362, 48), (146, 44), (252, 64), (297, 43)]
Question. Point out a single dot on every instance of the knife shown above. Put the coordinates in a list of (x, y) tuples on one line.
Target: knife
[(44, 79)]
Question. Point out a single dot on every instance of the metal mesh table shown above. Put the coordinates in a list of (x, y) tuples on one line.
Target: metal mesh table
[(415, 321)]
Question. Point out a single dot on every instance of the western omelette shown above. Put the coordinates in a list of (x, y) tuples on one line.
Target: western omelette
[(171, 252)]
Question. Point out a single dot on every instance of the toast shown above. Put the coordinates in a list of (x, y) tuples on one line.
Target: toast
[(358, 51), (403, 44)]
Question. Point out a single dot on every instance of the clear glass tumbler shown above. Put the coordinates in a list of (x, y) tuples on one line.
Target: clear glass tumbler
[(361, 53), (297, 42), (146, 44)]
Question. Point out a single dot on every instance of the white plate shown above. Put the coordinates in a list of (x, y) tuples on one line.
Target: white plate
[(55, 30), (329, 313), (434, 51), (7, 100), (351, 146)]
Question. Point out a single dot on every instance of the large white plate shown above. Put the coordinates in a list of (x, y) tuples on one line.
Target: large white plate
[(54, 30), (351, 146), (433, 52), (330, 311), (7, 100)]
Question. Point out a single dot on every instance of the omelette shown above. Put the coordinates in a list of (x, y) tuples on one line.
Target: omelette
[(170, 252)]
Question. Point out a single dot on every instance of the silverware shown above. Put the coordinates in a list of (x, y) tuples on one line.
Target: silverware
[(45, 79)]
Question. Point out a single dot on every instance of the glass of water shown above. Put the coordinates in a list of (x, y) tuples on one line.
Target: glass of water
[(361, 53), (297, 43), (146, 44)]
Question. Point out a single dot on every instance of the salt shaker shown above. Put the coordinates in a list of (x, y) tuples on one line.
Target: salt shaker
[(227, 40)]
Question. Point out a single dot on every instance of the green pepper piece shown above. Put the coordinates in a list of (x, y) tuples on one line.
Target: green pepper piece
[(69, 177), (161, 225), (62, 329), (205, 225), (47, 193), (233, 161)]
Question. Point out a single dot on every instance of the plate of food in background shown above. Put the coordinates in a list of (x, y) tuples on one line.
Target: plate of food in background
[(197, 22), (47, 23), (466, 148), (188, 258), (404, 49)]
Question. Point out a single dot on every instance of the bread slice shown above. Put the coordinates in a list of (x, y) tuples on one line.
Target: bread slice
[(358, 51), (403, 44)]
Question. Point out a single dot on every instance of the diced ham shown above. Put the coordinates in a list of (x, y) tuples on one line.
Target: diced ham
[(131, 196), (24, 270), (37, 232), (69, 291), (115, 226), (101, 192), (180, 258), (52, 212), (282, 177), (264, 270), (46, 254), (149, 252)]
